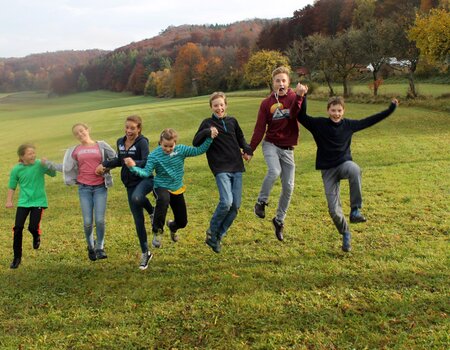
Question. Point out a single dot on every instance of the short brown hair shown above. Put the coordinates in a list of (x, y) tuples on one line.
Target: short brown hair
[(280, 70), (215, 95), (336, 100), (22, 149), (168, 134), (135, 119)]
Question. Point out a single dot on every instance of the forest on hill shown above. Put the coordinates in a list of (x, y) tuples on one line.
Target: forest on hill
[(330, 41)]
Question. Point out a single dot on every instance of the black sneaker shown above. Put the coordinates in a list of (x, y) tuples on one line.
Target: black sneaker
[(146, 257), (278, 229), (15, 263), (91, 254), (260, 210), (36, 241), (346, 241), (173, 234), (213, 242), (100, 254), (357, 217)]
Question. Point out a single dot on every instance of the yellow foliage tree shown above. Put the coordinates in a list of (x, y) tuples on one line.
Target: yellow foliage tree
[(258, 70)]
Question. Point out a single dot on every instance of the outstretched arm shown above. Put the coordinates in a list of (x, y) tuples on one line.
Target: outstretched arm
[(361, 124)]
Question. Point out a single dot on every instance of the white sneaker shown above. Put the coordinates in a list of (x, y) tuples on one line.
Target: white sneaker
[(146, 257)]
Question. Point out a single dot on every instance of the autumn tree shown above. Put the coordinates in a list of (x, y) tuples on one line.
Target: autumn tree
[(82, 83), (258, 71), (187, 70), (431, 32)]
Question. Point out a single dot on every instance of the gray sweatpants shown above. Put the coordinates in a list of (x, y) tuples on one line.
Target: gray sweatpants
[(332, 181), (280, 163)]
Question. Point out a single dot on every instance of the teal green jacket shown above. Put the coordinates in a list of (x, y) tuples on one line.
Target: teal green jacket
[(169, 168)]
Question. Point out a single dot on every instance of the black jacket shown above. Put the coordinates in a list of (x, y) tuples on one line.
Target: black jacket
[(224, 154), (138, 151)]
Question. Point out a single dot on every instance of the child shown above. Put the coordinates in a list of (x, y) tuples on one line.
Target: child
[(333, 136), (281, 136), (135, 145), (82, 166), (168, 162), (29, 175), (225, 161)]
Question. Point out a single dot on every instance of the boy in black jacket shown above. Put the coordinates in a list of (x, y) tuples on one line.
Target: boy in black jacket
[(225, 161), (333, 136)]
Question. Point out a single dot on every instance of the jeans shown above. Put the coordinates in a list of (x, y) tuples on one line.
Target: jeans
[(280, 163), (138, 202), (332, 181), (93, 202), (230, 195)]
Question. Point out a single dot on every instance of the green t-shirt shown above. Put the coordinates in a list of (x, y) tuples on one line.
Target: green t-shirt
[(30, 179)]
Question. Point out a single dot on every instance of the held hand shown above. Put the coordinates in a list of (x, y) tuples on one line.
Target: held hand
[(100, 170), (9, 204), (214, 132), (246, 157), (129, 162), (301, 90), (395, 101), (44, 161)]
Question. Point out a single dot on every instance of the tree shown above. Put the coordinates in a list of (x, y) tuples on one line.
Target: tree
[(258, 70), (377, 38), (82, 83), (187, 70), (431, 32)]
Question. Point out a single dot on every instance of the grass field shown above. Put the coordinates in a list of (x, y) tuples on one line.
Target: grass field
[(391, 292)]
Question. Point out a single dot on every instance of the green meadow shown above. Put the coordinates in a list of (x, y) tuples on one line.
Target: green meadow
[(391, 291)]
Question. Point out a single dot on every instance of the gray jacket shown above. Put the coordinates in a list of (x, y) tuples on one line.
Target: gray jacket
[(69, 167)]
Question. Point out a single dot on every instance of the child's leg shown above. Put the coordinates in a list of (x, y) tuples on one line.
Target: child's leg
[(135, 201), (162, 204), (351, 171), (178, 205), (331, 182), (21, 216), (224, 184), (273, 170), (100, 198), (87, 206), (287, 182), (35, 220), (236, 193)]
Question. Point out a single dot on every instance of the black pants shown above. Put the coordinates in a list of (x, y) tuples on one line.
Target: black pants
[(33, 226), (176, 201)]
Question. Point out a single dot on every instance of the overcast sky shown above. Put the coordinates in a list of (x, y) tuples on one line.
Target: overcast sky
[(35, 26)]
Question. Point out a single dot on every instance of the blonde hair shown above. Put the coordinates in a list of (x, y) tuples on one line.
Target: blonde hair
[(80, 124), (135, 119), (336, 100), (216, 95), (168, 134), (22, 149), (279, 70)]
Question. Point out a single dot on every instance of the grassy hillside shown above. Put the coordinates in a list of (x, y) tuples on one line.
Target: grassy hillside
[(390, 292)]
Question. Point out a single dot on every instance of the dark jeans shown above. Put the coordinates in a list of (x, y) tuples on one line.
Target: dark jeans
[(138, 202), (176, 201), (33, 226)]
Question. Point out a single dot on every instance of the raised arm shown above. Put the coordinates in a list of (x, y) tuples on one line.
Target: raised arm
[(361, 124)]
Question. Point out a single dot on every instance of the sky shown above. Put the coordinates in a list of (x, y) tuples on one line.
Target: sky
[(36, 26)]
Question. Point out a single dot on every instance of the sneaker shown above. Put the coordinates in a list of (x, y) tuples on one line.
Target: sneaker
[(356, 216), (213, 243), (15, 263), (36, 241), (260, 210), (157, 241), (100, 254), (173, 234), (346, 242), (146, 257), (91, 254), (278, 228)]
